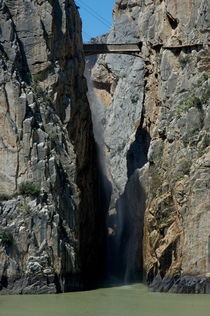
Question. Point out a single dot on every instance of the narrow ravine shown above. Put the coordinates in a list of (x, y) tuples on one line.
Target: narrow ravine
[(125, 207)]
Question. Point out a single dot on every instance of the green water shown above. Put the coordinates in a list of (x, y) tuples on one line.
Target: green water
[(133, 300)]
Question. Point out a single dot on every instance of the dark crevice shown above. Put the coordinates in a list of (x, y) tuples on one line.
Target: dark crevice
[(102, 85), (3, 53), (137, 153), (21, 63), (38, 63), (45, 35), (173, 22), (93, 229), (57, 27), (125, 257), (4, 282), (166, 259), (157, 47), (125, 260)]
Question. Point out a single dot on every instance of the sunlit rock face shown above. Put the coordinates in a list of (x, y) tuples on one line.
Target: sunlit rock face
[(160, 101), (46, 139)]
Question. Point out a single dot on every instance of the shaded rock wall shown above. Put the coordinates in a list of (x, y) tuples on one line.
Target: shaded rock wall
[(167, 92), (119, 84), (45, 138)]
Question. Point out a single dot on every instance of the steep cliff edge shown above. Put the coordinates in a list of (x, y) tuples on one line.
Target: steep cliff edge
[(157, 136), (48, 174)]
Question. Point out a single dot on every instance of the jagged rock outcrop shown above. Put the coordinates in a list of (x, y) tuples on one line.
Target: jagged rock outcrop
[(162, 100), (47, 228)]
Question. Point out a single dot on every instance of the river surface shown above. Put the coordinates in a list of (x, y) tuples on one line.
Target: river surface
[(134, 300)]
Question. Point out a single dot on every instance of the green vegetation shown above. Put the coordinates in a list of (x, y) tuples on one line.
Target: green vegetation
[(192, 137), (4, 197), (37, 77), (6, 237), (29, 189), (187, 103), (24, 207), (193, 100), (205, 76), (205, 94), (41, 94)]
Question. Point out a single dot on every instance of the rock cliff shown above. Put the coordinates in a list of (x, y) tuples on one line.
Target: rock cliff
[(156, 121), (148, 168), (49, 183)]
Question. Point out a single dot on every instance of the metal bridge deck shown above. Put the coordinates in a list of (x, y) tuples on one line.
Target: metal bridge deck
[(94, 49)]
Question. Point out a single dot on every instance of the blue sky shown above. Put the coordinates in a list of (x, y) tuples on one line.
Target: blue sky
[(96, 17)]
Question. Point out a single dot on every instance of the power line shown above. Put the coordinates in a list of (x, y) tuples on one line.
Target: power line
[(100, 19), (95, 16), (95, 12)]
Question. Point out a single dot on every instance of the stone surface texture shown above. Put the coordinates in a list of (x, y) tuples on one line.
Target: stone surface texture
[(148, 167), (45, 138), (156, 123)]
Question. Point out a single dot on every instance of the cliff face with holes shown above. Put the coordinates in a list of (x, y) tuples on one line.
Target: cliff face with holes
[(48, 173), (157, 140)]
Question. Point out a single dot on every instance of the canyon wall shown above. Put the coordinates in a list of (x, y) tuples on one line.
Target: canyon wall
[(157, 141), (49, 182), (145, 176)]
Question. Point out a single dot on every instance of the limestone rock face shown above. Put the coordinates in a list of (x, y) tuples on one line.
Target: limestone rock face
[(162, 101), (119, 84), (45, 139)]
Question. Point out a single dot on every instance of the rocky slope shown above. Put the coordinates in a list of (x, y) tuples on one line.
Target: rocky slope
[(156, 121), (49, 187)]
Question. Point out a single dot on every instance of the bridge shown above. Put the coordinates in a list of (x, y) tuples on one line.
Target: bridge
[(95, 49), (133, 48)]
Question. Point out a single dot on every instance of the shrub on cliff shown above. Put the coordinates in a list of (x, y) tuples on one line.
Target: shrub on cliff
[(187, 103), (6, 237), (4, 197), (29, 189)]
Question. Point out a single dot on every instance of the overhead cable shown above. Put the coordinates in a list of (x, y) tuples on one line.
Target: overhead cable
[(94, 15), (95, 12)]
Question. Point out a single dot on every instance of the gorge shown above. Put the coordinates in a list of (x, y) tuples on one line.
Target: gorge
[(121, 194)]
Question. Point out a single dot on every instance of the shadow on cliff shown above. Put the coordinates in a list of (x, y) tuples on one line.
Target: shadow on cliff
[(137, 153), (93, 230), (126, 251), (125, 244)]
